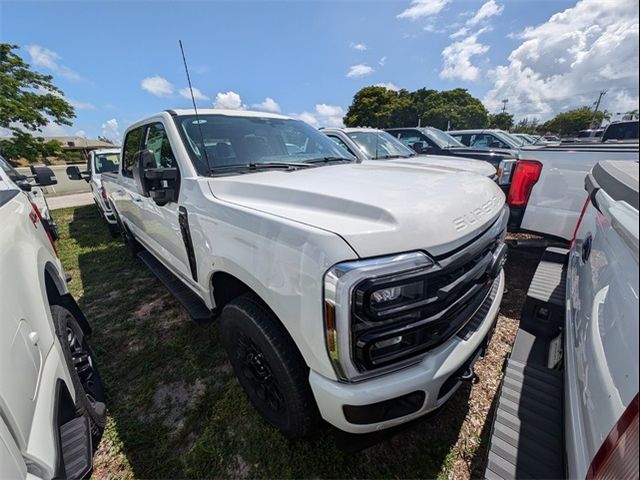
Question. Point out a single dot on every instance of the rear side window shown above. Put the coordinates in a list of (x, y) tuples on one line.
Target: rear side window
[(132, 145)]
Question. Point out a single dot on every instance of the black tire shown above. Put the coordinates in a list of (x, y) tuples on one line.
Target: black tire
[(87, 383), (269, 366)]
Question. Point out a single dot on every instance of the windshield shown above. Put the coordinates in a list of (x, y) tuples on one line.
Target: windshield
[(379, 145), (107, 162), (222, 142), (11, 172), (509, 139), (442, 139)]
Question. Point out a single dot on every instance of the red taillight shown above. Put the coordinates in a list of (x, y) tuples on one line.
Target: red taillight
[(618, 454), (524, 177), (49, 235), (575, 231)]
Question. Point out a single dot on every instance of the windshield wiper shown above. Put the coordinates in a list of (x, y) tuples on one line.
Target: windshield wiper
[(329, 160), (254, 166), (389, 157)]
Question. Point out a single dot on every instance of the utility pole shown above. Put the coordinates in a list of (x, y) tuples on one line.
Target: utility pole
[(504, 105), (595, 109)]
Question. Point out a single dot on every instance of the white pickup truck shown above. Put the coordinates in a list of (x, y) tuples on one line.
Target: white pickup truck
[(568, 405), (52, 410), (100, 161), (357, 293), (547, 193)]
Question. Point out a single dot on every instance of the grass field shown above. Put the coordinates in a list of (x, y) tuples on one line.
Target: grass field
[(176, 410)]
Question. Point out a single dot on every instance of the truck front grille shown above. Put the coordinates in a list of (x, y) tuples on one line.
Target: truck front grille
[(455, 291)]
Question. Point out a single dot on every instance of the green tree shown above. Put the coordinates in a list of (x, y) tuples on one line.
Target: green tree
[(572, 121), (526, 125), (502, 120), (382, 108), (28, 101)]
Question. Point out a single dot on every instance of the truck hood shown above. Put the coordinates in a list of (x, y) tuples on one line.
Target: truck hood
[(378, 208), (447, 164)]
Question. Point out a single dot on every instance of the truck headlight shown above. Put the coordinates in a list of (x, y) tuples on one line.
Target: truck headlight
[(380, 288)]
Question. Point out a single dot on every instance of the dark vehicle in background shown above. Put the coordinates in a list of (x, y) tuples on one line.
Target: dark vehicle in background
[(430, 140), (487, 138), (625, 131)]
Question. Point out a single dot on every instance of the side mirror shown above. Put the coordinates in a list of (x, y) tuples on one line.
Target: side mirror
[(418, 147), (73, 173), (43, 176), (157, 183), (144, 160)]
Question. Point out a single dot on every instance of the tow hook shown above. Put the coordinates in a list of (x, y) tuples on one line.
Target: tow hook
[(468, 375)]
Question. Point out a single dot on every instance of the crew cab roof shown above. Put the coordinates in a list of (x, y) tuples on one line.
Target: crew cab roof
[(230, 113)]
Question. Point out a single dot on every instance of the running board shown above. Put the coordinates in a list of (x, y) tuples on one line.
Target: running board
[(77, 454), (527, 436), (193, 304)]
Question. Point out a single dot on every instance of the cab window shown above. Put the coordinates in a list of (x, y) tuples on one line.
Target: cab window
[(338, 141), (158, 142), (132, 145)]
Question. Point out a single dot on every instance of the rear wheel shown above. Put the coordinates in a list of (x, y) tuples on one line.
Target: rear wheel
[(269, 366), (87, 383)]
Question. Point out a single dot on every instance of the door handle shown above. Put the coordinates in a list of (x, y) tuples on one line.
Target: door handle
[(137, 199), (120, 191)]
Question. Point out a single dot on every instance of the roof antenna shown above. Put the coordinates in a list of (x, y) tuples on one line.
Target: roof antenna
[(195, 108)]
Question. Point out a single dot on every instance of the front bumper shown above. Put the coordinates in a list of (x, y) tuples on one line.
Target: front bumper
[(435, 375)]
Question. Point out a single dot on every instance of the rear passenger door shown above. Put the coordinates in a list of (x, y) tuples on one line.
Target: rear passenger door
[(161, 224)]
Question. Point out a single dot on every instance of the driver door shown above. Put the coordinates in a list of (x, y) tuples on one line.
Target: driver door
[(160, 224)]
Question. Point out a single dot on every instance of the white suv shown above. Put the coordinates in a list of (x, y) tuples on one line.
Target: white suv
[(52, 409)]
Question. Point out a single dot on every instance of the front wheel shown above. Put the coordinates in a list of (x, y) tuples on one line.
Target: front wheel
[(269, 366), (80, 359)]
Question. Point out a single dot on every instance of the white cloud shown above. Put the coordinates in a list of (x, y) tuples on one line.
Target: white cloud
[(78, 105), (564, 62), (388, 86), (360, 70), (45, 58), (486, 11), (197, 94), (81, 133), (111, 130), (457, 58), (382, 61), (423, 8), (459, 33), (268, 105), (157, 85), (323, 115), (228, 101), (358, 46), (52, 130)]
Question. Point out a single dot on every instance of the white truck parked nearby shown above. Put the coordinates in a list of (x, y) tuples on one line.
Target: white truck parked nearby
[(100, 161), (568, 405), (357, 293), (370, 144), (52, 410), (547, 193)]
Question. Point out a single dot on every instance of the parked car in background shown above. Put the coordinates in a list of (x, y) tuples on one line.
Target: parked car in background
[(432, 141), (590, 134), (52, 410), (487, 138), (360, 293), (526, 138), (568, 404), (624, 131), (32, 185), (369, 144), (100, 161), (546, 194)]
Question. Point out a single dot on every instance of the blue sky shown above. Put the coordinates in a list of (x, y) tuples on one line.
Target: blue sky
[(119, 61)]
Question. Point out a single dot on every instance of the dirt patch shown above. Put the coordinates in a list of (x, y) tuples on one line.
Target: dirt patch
[(172, 402), (147, 308)]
